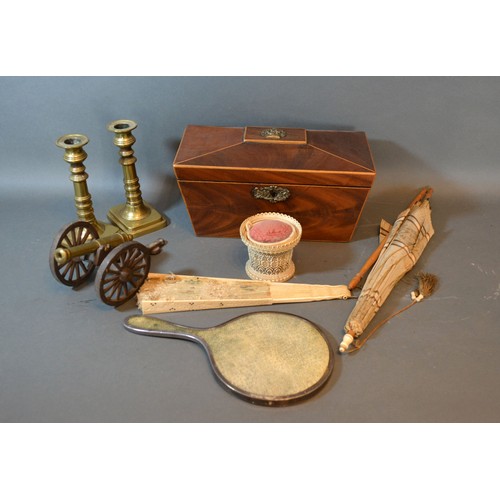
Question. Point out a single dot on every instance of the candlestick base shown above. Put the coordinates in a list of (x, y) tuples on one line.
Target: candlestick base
[(105, 228), (152, 222)]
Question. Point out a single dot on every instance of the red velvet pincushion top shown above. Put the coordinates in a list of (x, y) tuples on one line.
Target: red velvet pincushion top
[(270, 231)]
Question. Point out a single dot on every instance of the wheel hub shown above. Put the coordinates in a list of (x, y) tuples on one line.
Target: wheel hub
[(125, 275)]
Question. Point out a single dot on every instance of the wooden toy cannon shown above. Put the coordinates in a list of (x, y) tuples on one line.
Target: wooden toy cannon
[(123, 264), (82, 246)]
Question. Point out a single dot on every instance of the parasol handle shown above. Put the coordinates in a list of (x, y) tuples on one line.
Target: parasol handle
[(369, 263), (425, 194)]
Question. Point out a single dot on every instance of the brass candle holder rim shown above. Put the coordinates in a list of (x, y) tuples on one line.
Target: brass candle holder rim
[(277, 246), (122, 126), (72, 141)]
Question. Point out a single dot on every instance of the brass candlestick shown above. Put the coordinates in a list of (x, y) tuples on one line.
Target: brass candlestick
[(135, 216), (75, 155)]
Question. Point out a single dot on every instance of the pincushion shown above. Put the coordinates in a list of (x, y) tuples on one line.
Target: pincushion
[(270, 231), (270, 238)]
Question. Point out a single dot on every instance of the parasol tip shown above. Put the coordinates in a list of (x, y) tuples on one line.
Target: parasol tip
[(346, 342)]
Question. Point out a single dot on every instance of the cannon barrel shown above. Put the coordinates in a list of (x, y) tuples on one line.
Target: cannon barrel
[(65, 254)]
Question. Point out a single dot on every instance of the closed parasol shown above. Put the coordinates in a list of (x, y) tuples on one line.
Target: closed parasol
[(403, 246)]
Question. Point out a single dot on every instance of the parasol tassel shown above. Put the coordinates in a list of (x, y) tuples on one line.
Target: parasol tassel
[(427, 284)]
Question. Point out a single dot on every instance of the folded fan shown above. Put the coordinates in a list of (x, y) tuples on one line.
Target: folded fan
[(172, 292)]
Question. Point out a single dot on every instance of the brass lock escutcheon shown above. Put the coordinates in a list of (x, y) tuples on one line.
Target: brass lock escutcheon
[(273, 133), (273, 194)]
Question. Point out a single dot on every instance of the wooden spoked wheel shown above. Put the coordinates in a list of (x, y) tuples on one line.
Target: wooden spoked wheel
[(77, 270), (122, 273)]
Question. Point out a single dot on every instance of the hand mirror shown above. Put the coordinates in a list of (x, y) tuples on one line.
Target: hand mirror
[(267, 358)]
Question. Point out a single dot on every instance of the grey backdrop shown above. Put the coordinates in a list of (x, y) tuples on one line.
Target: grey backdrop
[(65, 357)]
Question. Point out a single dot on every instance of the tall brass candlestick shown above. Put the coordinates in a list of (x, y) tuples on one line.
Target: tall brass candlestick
[(135, 216), (75, 155)]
